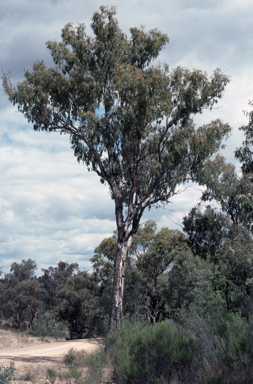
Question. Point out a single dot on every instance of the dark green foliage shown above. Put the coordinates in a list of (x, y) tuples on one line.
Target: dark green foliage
[(154, 260), (234, 349), (20, 272), (53, 279), (57, 332), (206, 231), (103, 263), (152, 354), (236, 270), (80, 304), (20, 293), (51, 373), (189, 281), (24, 301), (6, 374), (149, 259), (225, 341)]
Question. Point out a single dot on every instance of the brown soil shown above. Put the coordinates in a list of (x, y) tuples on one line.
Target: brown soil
[(33, 355)]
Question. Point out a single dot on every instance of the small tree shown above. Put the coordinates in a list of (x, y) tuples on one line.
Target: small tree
[(79, 306), (128, 121), (22, 302)]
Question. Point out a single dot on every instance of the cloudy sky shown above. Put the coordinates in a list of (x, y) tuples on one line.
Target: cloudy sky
[(51, 208)]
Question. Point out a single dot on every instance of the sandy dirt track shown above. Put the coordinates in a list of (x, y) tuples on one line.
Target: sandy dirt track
[(33, 356), (49, 352)]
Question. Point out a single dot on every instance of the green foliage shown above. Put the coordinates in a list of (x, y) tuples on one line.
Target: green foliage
[(234, 348), (75, 358), (70, 357), (206, 231), (20, 293), (58, 332), (22, 301), (73, 372), (79, 307), (95, 362), (212, 379), (156, 254), (189, 281), (54, 279), (150, 257), (152, 354), (225, 342), (20, 272), (232, 191), (235, 270), (51, 373), (245, 152), (6, 374)]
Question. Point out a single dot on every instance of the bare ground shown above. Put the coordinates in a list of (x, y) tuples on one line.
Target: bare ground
[(33, 356)]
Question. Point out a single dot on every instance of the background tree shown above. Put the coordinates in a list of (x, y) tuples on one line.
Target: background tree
[(236, 270), (155, 258), (54, 278), (245, 152), (20, 293), (150, 257), (19, 272), (103, 267), (189, 282), (206, 231), (79, 306), (128, 120), (22, 302), (232, 191)]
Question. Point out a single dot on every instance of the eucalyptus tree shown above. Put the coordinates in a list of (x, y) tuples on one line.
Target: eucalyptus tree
[(206, 230), (231, 190), (129, 120), (245, 152)]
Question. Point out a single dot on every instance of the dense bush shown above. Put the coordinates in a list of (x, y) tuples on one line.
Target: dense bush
[(144, 354), (51, 331), (226, 343), (234, 349)]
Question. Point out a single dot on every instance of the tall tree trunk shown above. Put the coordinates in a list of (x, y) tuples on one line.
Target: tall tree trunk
[(118, 283)]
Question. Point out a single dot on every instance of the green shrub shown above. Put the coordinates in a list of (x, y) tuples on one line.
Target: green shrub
[(77, 358), (51, 373), (212, 379), (6, 374), (234, 349), (226, 345), (70, 357), (47, 330), (95, 363), (158, 354), (72, 373)]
